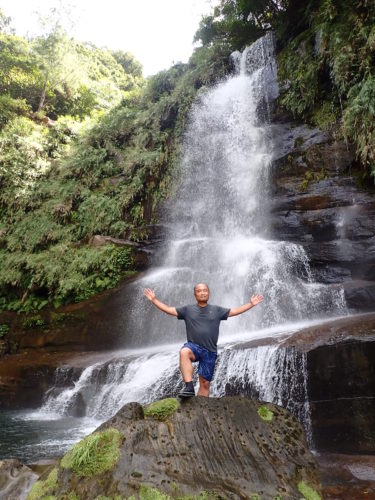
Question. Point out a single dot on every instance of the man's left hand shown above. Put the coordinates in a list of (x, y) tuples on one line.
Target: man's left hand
[(256, 299)]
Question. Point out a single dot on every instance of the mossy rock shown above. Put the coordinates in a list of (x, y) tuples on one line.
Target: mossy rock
[(161, 410), (96, 453), (44, 489)]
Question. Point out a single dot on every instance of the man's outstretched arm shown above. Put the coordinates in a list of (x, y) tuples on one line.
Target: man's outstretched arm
[(150, 294), (255, 300)]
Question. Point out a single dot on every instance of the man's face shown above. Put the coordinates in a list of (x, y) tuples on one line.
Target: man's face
[(201, 293)]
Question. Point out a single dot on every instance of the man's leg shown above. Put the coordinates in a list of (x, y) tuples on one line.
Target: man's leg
[(186, 364), (204, 387)]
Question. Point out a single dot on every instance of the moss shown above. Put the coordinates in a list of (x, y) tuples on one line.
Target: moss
[(161, 410), (298, 142), (308, 492), (116, 497), (56, 318), (44, 489), (71, 496), (312, 176), (96, 453), (148, 493), (265, 414)]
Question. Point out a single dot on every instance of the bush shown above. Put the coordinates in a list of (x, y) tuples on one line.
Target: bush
[(10, 108)]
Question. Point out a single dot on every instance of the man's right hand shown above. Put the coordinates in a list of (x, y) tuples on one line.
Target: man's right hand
[(150, 294)]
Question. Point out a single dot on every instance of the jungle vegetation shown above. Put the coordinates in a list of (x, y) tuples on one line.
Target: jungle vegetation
[(88, 146)]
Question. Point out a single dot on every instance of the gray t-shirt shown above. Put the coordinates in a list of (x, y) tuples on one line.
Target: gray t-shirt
[(202, 323)]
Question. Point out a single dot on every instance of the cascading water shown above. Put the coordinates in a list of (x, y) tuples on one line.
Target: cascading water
[(219, 221), (218, 227)]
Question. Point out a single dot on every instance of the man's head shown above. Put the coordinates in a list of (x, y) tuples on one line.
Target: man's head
[(201, 292)]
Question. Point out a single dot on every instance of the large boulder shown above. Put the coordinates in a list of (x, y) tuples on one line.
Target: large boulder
[(234, 448)]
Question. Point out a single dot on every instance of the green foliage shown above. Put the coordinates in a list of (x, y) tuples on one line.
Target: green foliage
[(10, 108), (67, 274), (129, 64), (20, 76), (298, 71), (265, 413), (44, 489), (308, 492), (161, 410), (238, 23), (149, 493), (327, 69), (33, 322), (4, 329), (23, 158), (325, 116), (95, 454), (359, 120), (102, 166)]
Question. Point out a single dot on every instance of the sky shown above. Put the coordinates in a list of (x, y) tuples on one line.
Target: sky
[(158, 32)]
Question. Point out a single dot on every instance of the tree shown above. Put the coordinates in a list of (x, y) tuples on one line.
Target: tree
[(130, 65), (5, 23), (59, 64), (239, 22)]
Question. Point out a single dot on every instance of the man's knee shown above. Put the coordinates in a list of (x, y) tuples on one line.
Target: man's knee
[(204, 383), (186, 353)]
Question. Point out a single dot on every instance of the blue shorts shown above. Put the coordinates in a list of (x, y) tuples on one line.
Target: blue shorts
[(206, 358)]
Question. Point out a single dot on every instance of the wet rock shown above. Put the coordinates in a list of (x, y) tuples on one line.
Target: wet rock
[(77, 406), (340, 363), (16, 480), (347, 476), (317, 202), (230, 447), (360, 295), (25, 378)]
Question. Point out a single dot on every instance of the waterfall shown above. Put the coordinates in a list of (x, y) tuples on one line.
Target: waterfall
[(219, 221), (219, 234), (268, 373)]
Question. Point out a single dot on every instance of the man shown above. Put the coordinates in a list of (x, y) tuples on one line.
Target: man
[(202, 322)]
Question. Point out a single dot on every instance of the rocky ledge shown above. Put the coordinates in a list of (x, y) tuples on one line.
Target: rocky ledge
[(228, 448)]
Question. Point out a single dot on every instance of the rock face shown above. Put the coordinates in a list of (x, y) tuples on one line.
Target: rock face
[(15, 480), (230, 447), (340, 360), (317, 202)]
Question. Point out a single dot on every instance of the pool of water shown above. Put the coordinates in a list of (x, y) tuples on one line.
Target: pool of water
[(30, 436)]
